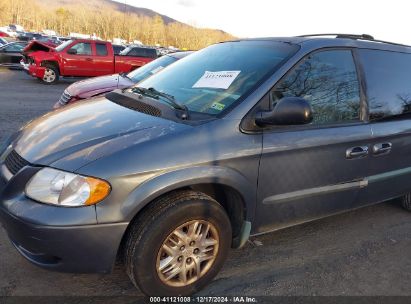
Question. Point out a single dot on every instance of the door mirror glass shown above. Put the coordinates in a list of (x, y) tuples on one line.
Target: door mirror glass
[(72, 51), (287, 111)]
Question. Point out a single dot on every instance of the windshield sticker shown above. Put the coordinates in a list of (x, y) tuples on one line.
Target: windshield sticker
[(157, 69), (218, 106), (216, 80)]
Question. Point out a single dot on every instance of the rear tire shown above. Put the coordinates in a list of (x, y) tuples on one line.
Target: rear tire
[(406, 201), (51, 74), (178, 244)]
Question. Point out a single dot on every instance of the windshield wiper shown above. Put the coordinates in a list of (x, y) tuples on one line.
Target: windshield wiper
[(125, 75), (153, 93)]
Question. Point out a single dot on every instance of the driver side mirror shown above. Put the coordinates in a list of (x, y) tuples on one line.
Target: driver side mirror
[(288, 111), (72, 51)]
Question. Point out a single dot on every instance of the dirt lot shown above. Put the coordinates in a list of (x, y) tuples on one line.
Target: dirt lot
[(363, 252)]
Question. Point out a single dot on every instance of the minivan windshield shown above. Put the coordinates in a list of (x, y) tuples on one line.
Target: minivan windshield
[(212, 80)]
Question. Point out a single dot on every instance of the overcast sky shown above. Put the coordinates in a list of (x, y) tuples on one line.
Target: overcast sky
[(387, 20)]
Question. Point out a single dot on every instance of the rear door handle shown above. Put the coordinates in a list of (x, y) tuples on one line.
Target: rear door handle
[(356, 152), (89, 59), (382, 148)]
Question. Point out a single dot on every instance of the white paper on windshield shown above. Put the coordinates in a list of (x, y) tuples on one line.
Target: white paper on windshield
[(216, 80), (157, 69)]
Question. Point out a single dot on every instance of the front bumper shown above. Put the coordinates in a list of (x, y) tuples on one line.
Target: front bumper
[(78, 249), (57, 238), (36, 71), (24, 65)]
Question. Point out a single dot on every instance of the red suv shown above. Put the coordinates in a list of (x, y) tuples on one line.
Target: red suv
[(81, 57)]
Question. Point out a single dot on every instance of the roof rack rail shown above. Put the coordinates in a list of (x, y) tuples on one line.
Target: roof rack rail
[(355, 37), (349, 36)]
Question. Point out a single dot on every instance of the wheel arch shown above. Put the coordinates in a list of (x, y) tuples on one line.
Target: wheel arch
[(227, 186), (51, 62)]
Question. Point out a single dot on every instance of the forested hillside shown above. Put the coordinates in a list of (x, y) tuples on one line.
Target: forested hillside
[(108, 20)]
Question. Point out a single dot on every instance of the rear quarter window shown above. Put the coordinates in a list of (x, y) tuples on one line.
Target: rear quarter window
[(388, 82), (101, 49)]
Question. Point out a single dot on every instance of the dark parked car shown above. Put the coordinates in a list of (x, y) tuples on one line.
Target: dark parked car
[(27, 36), (238, 139), (92, 87), (11, 54), (140, 51), (118, 48), (50, 41)]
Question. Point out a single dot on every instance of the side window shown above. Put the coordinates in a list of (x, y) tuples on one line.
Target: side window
[(328, 81), (151, 53), (101, 49), (143, 52), (117, 49), (388, 80), (82, 48), (138, 52)]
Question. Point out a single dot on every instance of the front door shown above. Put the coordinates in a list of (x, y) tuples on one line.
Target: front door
[(81, 63), (311, 171)]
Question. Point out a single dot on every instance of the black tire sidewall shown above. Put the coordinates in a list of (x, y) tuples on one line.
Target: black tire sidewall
[(406, 201), (145, 252)]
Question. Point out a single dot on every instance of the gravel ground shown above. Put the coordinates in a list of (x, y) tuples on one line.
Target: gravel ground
[(23, 98), (362, 252)]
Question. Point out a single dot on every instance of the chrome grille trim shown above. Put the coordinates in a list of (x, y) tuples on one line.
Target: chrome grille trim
[(14, 162), (65, 97)]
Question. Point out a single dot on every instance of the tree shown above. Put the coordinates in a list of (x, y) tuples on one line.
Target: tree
[(106, 22)]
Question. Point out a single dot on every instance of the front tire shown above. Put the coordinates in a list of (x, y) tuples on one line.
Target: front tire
[(406, 201), (178, 244), (51, 74)]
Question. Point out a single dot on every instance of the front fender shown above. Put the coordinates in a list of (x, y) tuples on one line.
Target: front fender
[(120, 209)]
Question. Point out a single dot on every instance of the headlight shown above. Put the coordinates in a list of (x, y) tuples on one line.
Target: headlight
[(61, 188)]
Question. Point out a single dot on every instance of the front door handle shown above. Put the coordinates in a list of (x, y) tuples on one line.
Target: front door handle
[(89, 59), (382, 148), (356, 152)]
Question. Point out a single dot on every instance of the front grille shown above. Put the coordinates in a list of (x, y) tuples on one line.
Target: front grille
[(65, 97), (14, 162)]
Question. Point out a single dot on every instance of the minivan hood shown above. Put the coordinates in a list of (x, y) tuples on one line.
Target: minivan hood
[(75, 135), (96, 84)]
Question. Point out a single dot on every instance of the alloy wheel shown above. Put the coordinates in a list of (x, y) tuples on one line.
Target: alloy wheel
[(187, 253), (49, 75)]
